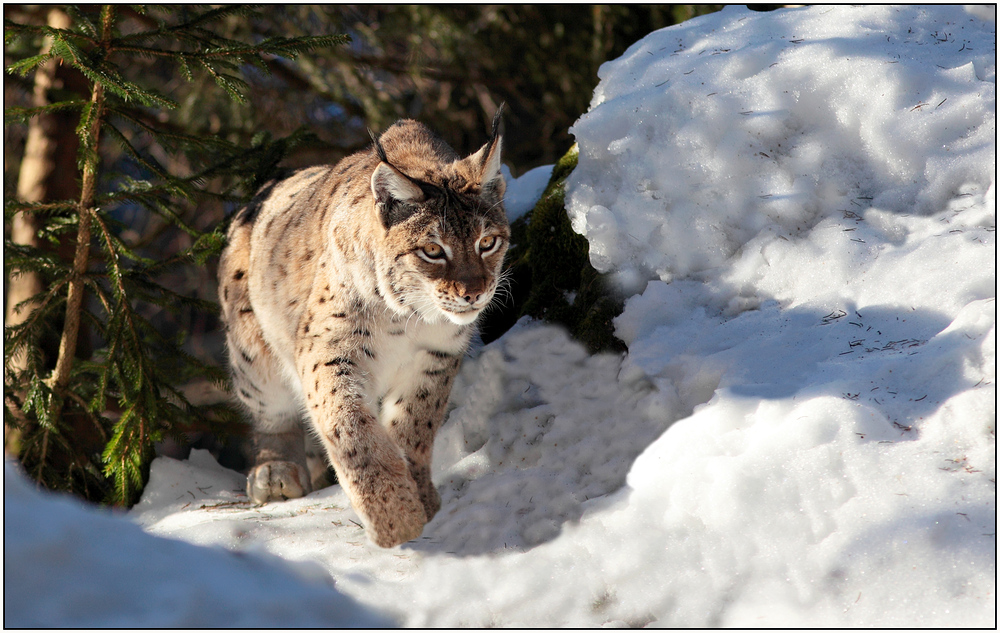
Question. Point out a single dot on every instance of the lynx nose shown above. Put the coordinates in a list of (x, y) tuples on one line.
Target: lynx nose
[(472, 291)]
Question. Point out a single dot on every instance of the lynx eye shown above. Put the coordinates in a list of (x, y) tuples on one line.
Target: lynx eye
[(433, 251), (488, 243)]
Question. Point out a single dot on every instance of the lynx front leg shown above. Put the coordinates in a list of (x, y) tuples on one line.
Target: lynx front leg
[(369, 465), (414, 416)]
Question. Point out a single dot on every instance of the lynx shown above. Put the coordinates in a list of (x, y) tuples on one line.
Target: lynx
[(349, 296)]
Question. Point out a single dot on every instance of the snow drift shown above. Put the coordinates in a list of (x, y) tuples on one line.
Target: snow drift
[(68, 565)]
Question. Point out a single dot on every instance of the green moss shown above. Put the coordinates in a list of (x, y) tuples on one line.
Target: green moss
[(551, 276)]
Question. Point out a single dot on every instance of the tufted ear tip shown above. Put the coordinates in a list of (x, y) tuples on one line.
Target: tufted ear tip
[(487, 161), (377, 146), (492, 180), (497, 122)]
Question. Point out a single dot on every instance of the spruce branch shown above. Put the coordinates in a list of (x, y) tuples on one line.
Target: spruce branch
[(74, 299), (23, 336), (25, 66), (126, 145), (13, 206), (165, 135), (15, 114), (212, 15), (13, 31)]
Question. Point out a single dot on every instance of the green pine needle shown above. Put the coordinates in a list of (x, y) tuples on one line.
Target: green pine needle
[(14, 114)]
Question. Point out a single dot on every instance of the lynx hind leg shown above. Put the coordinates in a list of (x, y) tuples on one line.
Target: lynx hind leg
[(280, 471), (279, 468), (321, 474)]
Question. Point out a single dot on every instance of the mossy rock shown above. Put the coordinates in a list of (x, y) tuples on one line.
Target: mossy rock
[(551, 278)]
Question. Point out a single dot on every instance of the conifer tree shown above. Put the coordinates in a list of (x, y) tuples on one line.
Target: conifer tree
[(123, 397)]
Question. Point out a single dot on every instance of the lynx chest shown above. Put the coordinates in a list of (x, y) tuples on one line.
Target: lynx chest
[(414, 363)]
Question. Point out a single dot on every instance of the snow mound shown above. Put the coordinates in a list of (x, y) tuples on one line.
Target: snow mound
[(68, 565), (703, 135), (523, 193), (540, 428)]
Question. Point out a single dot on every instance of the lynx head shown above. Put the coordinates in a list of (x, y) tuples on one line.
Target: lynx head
[(445, 228)]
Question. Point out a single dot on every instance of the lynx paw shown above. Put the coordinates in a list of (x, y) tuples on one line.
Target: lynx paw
[(277, 481), (428, 493), (431, 500), (393, 512)]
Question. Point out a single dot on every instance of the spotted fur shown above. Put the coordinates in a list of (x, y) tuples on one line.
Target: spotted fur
[(349, 294)]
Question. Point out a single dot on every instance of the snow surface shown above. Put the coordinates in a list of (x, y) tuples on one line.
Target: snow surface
[(803, 432), (69, 565), (523, 192)]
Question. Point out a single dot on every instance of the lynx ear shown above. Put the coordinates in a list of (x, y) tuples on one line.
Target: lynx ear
[(392, 189), (389, 184), (487, 162)]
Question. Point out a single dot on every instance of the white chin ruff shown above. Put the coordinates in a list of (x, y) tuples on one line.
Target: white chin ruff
[(464, 318)]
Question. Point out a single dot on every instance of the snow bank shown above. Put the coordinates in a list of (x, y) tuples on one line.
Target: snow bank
[(705, 134), (524, 192), (71, 566), (815, 192)]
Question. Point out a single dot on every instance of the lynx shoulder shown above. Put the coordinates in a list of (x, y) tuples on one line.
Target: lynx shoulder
[(349, 294)]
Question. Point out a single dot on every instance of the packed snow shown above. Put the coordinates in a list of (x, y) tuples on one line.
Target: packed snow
[(802, 206), (522, 197), (69, 565)]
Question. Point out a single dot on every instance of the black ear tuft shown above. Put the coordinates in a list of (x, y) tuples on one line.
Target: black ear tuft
[(379, 150), (496, 132), (487, 162), (497, 120)]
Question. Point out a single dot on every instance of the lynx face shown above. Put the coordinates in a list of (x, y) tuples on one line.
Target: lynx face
[(449, 269), (448, 238)]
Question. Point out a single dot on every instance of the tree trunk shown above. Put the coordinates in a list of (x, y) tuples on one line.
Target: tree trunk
[(47, 173)]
